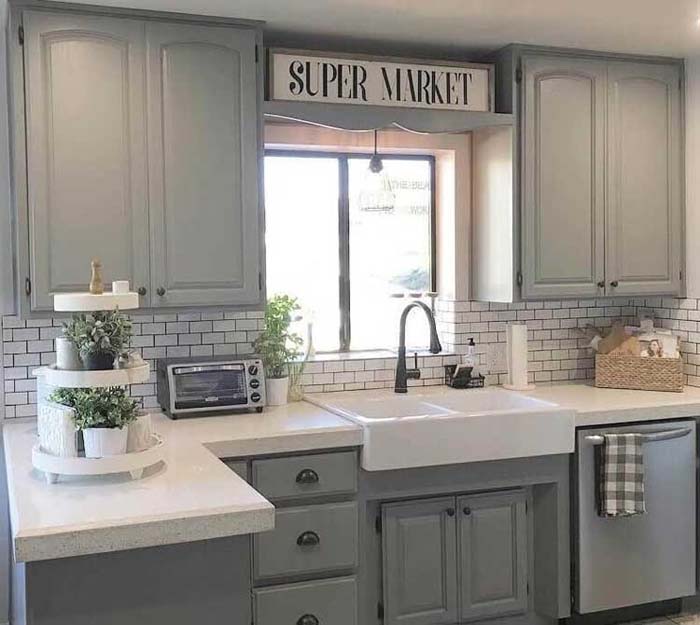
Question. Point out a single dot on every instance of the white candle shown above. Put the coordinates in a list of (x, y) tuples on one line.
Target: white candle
[(120, 286)]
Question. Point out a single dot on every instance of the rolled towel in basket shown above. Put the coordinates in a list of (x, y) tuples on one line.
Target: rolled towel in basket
[(621, 476)]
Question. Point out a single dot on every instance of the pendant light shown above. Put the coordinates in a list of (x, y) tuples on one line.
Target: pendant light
[(376, 195)]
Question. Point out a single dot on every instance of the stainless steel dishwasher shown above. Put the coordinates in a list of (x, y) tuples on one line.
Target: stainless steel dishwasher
[(630, 561)]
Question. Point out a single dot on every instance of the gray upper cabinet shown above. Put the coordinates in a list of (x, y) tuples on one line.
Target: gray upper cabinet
[(86, 169), (493, 555), (644, 179), (563, 177), (420, 571), (601, 171), (143, 145), (203, 165)]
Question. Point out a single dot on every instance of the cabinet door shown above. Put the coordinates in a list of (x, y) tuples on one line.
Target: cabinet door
[(203, 125), (644, 179), (563, 161), (86, 151), (493, 555), (420, 571)]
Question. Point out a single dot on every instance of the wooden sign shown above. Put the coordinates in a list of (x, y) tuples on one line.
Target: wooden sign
[(332, 78)]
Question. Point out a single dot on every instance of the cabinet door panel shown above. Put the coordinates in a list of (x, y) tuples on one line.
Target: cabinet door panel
[(420, 576), (563, 177), (203, 164), (85, 151), (644, 179), (493, 555)]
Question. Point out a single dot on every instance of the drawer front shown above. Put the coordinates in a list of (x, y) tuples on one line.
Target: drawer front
[(308, 540), (332, 602), (302, 476)]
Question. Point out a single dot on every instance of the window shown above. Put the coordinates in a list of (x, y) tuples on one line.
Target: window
[(347, 243)]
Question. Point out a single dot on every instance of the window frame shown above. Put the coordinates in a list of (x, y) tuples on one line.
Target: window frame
[(344, 287)]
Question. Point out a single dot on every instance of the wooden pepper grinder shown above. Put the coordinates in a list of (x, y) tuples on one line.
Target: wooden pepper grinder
[(97, 287)]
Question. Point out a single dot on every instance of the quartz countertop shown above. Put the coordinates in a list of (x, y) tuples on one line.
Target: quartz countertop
[(600, 406), (192, 496)]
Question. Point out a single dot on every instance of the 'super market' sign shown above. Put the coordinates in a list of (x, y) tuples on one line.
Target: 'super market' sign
[(314, 77)]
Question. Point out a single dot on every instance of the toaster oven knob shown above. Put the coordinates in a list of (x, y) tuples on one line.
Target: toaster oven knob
[(255, 383), (253, 370), (255, 397)]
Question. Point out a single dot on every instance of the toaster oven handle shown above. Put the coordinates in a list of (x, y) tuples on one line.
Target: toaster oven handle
[(667, 435)]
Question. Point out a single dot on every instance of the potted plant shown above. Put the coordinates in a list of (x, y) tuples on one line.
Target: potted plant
[(99, 337), (278, 347), (102, 415)]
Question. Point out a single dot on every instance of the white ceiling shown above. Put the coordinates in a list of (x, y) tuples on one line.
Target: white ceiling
[(666, 27)]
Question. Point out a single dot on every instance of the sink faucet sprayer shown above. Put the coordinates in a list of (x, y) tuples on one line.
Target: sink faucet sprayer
[(402, 373)]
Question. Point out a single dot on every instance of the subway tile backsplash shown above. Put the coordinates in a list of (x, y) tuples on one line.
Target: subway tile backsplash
[(558, 352)]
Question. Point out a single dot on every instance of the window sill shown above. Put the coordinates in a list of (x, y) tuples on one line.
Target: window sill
[(380, 354)]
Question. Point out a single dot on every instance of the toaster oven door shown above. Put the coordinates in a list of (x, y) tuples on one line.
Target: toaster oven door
[(207, 387)]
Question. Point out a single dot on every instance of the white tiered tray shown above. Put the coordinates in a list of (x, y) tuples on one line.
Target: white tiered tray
[(133, 463), (87, 302), (93, 379)]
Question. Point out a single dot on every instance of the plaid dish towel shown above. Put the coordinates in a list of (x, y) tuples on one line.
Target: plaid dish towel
[(621, 476)]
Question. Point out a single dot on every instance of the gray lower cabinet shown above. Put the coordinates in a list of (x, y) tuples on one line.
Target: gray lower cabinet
[(493, 555), (452, 560), (420, 562), (329, 602), (307, 540), (601, 175), (137, 142)]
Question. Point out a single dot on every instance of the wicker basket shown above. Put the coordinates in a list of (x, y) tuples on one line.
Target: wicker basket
[(634, 372)]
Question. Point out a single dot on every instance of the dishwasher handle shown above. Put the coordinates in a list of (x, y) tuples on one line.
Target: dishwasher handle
[(667, 435)]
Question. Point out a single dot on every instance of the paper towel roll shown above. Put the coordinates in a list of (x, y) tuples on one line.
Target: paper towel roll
[(516, 354)]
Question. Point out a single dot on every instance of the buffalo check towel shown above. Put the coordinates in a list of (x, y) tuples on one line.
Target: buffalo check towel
[(621, 478)]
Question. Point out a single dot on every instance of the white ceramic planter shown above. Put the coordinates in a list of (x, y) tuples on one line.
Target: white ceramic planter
[(101, 442), (140, 434), (67, 357), (276, 391)]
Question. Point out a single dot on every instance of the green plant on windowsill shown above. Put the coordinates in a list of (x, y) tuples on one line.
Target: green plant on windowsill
[(110, 408), (277, 346), (99, 337)]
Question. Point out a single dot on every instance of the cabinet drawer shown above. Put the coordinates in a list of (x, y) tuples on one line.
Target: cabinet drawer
[(308, 540), (301, 476), (330, 602)]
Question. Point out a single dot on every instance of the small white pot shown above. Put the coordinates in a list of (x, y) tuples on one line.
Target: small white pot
[(67, 357), (276, 391), (140, 434), (101, 442)]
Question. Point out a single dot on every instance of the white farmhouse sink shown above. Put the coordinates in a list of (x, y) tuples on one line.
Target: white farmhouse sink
[(439, 425)]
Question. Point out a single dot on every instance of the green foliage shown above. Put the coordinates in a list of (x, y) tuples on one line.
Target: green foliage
[(276, 345), (98, 407), (99, 332)]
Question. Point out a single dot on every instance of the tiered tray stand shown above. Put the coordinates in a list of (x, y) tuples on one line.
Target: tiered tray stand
[(133, 462)]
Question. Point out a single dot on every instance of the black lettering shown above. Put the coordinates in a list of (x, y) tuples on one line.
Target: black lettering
[(411, 86), (330, 73), (437, 96), (296, 68), (424, 78), (466, 79), (386, 84), (309, 79), (360, 83)]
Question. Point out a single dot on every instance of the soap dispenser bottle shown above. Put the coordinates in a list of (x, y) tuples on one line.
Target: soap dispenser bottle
[(471, 358)]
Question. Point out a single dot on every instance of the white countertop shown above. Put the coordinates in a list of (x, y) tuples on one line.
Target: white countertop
[(193, 496), (599, 406)]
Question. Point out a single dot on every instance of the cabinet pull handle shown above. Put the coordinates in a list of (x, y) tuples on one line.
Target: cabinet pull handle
[(307, 476), (467, 510), (142, 291), (614, 283), (450, 511), (601, 284), (308, 619), (308, 539), (161, 291)]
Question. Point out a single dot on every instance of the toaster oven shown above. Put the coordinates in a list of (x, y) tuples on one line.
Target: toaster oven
[(189, 387)]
